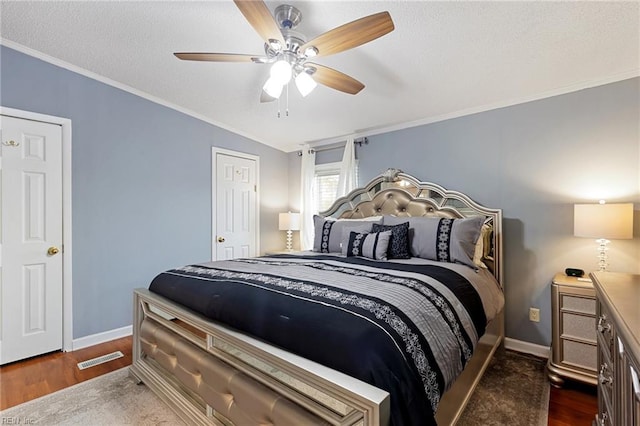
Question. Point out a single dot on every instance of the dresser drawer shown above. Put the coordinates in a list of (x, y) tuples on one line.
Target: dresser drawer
[(605, 397), (605, 332), (579, 354), (580, 326), (586, 305)]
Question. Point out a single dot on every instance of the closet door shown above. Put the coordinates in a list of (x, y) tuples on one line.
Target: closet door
[(235, 209), (30, 238)]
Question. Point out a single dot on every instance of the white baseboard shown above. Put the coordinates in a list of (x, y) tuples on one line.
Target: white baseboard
[(526, 347), (96, 339)]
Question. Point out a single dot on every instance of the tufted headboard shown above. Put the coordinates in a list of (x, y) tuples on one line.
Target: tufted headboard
[(399, 194)]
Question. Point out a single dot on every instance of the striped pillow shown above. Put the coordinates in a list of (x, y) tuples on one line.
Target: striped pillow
[(373, 245)]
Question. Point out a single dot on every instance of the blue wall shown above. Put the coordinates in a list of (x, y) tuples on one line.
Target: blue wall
[(141, 184), (533, 160)]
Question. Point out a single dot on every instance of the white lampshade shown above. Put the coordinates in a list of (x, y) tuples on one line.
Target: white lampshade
[(289, 221), (273, 88), (281, 71), (305, 83), (610, 221)]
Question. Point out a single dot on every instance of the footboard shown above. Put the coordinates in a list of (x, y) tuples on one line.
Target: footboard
[(209, 374)]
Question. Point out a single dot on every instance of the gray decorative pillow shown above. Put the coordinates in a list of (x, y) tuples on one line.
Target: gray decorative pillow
[(442, 239), (344, 242), (373, 245), (328, 232), (399, 244)]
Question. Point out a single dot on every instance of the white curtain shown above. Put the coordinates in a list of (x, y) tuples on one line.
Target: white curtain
[(347, 181), (307, 198)]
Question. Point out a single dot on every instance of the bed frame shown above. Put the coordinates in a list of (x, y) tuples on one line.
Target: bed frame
[(210, 374)]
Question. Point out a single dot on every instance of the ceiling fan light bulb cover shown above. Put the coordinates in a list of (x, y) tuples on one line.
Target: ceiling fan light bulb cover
[(310, 51), (272, 88), (275, 45), (305, 83), (281, 71)]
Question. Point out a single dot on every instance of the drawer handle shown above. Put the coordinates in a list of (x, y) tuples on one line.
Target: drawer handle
[(603, 378), (603, 326), (602, 419), (636, 383)]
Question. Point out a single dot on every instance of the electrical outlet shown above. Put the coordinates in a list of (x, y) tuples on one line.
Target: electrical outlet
[(534, 314)]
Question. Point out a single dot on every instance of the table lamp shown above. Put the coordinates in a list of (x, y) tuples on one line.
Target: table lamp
[(289, 222), (603, 221)]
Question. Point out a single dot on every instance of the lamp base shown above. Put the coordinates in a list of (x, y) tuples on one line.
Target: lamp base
[(289, 240), (602, 254)]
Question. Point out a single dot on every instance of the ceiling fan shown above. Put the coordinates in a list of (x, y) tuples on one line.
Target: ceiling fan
[(288, 51)]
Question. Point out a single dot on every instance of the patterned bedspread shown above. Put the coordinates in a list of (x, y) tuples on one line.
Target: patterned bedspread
[(406, 328)]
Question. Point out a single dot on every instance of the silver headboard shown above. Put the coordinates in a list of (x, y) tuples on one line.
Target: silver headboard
[(399, 194)]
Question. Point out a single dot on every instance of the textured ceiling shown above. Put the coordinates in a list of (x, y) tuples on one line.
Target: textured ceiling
[(443, 59)]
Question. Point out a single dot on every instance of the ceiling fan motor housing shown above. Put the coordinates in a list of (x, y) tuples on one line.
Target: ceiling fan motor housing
[(287, 16)]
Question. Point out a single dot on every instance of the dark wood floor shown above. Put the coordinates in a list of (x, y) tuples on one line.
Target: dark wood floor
[(576, 404), (35, 377), (573, 405)]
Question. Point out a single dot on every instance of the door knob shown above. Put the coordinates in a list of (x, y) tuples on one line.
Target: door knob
[(53, 251), (221, 239)]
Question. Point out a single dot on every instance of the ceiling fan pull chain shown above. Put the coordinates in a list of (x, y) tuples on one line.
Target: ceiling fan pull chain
[(278, 107), (287, 107)]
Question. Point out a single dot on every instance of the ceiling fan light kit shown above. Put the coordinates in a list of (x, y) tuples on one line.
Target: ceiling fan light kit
[(305, 83), (273, 88), (288, 51), (281, 71)]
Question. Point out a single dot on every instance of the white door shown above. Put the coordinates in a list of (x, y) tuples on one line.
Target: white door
[(235, 206), (31, 238)]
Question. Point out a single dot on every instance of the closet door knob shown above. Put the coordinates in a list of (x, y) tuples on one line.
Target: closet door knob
[(221, 239)]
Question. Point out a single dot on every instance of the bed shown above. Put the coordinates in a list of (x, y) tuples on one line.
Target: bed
[(406, 328)]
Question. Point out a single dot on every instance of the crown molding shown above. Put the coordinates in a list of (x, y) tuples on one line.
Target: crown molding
[(483, 108), (102, 79), (320, 142)]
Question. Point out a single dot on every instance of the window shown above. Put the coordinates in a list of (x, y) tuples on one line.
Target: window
[(326, 184)]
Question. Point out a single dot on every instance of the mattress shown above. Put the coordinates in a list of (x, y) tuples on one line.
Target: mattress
[(405, 326)]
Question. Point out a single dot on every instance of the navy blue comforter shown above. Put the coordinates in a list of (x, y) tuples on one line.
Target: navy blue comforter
[(376, 321)]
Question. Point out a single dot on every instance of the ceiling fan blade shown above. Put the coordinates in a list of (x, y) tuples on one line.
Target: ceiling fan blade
[(335, 79), (264, 97), (352, 34), (260, 18), (216, 57)]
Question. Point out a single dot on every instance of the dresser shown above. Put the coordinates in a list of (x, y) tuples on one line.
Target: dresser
[(573, 321), (618, 330)]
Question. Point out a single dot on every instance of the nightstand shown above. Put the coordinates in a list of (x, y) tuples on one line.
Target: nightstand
[(573, 320)]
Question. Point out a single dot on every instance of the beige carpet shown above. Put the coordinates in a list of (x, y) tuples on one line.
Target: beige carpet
[(110, 400), (514, 391)]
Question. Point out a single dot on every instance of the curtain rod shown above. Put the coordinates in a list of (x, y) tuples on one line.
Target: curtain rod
[(357, 142)]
